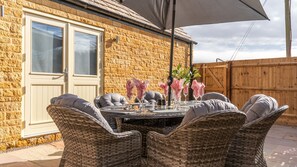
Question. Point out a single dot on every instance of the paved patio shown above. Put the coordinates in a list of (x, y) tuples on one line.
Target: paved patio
[(280, 151)]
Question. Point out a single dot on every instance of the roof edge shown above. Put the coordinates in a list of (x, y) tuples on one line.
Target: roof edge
[(125, 19)]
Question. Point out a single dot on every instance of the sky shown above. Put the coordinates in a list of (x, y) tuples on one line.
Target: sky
[(265, 40)]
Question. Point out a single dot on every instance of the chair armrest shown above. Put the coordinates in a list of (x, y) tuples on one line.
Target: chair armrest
[(156, 135), (133, 134)]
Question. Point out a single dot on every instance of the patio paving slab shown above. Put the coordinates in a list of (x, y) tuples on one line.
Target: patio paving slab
[(47, 155), (280, 150)]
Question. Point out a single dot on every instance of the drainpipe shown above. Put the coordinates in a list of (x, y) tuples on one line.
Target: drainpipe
[(288, 27)]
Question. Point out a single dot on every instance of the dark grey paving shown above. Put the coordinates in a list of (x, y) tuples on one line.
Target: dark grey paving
[(280, 148)]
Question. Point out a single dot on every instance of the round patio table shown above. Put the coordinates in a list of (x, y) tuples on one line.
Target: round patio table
[(159, 120), (147, 114)]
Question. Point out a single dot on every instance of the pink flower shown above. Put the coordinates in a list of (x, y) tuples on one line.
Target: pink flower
[(177, 86), (165, 88), (198, 88), (141, 87), (186, 89), (129, 88)]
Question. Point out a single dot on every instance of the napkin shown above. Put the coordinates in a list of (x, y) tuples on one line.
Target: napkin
[(177, 86), (141, 87), (186, 89), (198, 88), (165, 87), (129, 88)]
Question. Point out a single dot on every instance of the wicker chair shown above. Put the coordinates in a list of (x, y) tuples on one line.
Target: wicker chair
[(215, 95), (110, 99), (151, 97), (246, 148), (203, 141), (90, 141), (161, 125)]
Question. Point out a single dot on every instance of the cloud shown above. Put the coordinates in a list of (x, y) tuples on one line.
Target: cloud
[(209, 56), (266, 38)]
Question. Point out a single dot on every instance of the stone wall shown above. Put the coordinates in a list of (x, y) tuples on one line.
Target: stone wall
[(139, 53), (10, 72)]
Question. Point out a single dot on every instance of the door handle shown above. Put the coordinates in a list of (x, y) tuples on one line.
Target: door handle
[(65, 72)]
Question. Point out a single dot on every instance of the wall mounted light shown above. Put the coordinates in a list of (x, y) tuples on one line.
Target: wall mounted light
[(176, 44), (2, 11), (117, 39)]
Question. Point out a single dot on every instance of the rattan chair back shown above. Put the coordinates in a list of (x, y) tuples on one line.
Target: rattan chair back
[(110, 99), (89, 143), (215, 95), (203, 141), (246, 148)]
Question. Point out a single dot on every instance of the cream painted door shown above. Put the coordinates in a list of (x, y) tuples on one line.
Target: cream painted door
[(60, 57), (44, 65), (85, 65)]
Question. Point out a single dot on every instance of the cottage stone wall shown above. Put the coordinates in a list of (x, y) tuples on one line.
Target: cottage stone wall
[(139, 53), (10, 73)]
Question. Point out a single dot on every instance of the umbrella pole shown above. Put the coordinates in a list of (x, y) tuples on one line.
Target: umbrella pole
[(170, 79)]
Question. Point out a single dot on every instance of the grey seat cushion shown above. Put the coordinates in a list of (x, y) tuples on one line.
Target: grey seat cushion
[(71, 100), (151, 97), (112, 99), (258, 106), (207, 107), (215, 95)]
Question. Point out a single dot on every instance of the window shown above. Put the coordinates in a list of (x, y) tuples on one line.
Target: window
[(85, 46), (47, 48)]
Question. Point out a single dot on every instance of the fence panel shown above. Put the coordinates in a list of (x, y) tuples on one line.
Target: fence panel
[(215, 76), (273, 77)]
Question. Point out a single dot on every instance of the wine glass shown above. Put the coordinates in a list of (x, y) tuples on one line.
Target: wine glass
[(163, 102), (140, 98), (185, 94), (196, 95), (177, 96), (165, 96), (128, 105)]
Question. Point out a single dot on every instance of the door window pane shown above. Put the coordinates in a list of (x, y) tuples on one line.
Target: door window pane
[(47, 48), (85, 46)]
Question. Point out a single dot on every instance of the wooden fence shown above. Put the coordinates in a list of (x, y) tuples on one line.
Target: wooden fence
[(239, 80)]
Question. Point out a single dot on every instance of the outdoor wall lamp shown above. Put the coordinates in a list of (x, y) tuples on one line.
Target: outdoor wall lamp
[(2, 10), (116, 39)]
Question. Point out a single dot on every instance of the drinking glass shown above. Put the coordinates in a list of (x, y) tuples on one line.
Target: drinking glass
[(177, 99), (196, 97), (185, 94), (141, 103), (128, 105)]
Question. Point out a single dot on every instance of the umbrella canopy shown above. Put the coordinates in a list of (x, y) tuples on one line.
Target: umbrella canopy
[(168, 14), (196, 12)]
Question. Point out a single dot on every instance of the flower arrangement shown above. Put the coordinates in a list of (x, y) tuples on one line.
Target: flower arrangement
[(185, 73)]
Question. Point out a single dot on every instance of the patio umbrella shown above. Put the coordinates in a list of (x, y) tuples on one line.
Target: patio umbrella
[(168, 14)]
